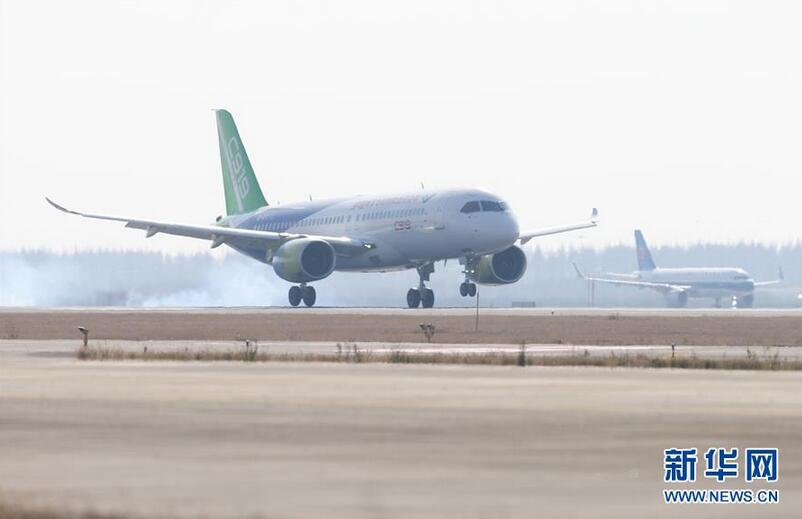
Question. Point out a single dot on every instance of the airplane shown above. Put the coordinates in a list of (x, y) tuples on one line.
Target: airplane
[(307, 241), (679, 284)]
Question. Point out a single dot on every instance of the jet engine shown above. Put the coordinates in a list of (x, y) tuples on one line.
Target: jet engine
[(304, 260), (501, 268)]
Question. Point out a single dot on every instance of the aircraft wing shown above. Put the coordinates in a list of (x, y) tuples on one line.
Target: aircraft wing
[(780, 279), (528, 235), (219, 235), (662, 287)]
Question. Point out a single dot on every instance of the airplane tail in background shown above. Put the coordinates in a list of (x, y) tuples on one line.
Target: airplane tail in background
[(243, 193), (645, 261)]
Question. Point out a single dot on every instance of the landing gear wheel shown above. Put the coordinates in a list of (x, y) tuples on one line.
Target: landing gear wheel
[(413, 298), (295, 295), (309, 295), (427, 298), (467, 289)]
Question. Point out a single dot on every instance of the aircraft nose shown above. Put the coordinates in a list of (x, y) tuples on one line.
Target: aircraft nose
[(511, 230)]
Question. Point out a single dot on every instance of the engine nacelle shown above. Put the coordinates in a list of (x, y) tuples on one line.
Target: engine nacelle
[(501, 268), (304, 260)]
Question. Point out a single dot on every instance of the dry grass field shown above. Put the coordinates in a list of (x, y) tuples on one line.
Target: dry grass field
[(748, 328)]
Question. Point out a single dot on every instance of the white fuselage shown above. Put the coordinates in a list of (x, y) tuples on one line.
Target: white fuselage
[(408, 228), (702, 282)]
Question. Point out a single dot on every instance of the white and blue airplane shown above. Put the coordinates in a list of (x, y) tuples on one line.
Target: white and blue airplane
[(679, 284), (307, 241)]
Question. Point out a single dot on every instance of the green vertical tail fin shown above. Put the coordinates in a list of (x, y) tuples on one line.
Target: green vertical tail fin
[(243, 193)]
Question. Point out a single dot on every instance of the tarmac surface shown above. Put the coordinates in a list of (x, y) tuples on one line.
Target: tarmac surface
[(437, 311), (233, 439)]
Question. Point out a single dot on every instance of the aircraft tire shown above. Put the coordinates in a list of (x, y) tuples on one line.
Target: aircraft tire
[(309, 296), (427, 298), (295, 295), (472, 289), (413, 297), (463, 289)]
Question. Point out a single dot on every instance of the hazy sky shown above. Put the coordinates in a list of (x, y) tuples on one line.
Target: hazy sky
[(680, 117)]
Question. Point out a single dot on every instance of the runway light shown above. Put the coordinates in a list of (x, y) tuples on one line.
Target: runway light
[(85, 332), (428, 331)]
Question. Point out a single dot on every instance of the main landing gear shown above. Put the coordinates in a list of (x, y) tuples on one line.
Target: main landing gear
[(303, 293), (422, 295)]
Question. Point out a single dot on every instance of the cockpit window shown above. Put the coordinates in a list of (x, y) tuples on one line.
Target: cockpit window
[(470, 207), (489, 205)]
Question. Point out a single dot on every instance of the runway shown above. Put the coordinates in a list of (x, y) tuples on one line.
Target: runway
[(235, 439), (437, 311)]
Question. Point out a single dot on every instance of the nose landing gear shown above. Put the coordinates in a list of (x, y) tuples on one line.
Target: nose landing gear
[(467, 289), (422, 295), (303, 293)]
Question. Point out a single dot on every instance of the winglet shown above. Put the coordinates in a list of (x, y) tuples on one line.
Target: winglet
[(59, 207), (780, 274), (578, 272), (594, 216)]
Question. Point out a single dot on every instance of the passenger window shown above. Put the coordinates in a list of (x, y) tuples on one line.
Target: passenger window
[(488, 205), (470, 207)]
